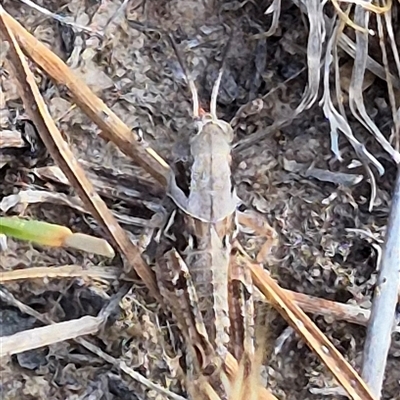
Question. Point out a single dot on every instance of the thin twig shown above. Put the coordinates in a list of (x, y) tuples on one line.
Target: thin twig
[(380, 327), (119, 11), (60, 19)]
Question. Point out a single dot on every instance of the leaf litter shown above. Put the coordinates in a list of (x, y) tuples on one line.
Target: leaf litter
[(318, 254)]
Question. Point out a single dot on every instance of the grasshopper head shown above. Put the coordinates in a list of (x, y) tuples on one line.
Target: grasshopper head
[(212, 125)]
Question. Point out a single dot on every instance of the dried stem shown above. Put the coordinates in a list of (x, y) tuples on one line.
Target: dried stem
[(382, 318), (47, 335), (65, 271)]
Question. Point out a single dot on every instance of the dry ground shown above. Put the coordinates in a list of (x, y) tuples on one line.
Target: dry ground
[(324, 249)]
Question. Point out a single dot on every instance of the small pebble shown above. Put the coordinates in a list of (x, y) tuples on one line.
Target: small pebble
[(243, 165)]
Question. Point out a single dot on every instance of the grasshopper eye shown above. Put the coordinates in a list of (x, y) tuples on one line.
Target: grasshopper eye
[(198, 125)]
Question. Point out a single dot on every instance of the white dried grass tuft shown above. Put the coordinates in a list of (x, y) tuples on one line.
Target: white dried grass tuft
[(337, 118), (316, 38), (334, 110), (356, 100)]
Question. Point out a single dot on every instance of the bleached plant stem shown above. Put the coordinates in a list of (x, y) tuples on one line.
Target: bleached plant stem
[(381, 323)]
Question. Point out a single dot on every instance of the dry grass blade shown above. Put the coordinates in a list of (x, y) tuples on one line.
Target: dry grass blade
[(276, 9), (53, 235), (315, 339), (90, 244), (356, 101), (317, 33), (47, 335), (337, 118), (346, 19), (309, 304), (113, 129), (380, 326), (62, 154), (314, 52), (387, 18), (347, 45), (65, 271), (330, 309)]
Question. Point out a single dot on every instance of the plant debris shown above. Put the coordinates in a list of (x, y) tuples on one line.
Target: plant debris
[(321, 173)]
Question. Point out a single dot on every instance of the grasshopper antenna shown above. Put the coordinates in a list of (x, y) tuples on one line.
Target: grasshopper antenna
[(192, 86), (217, 84)]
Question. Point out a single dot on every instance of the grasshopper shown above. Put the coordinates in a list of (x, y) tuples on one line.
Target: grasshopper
[(196, 281), (210, 211)]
